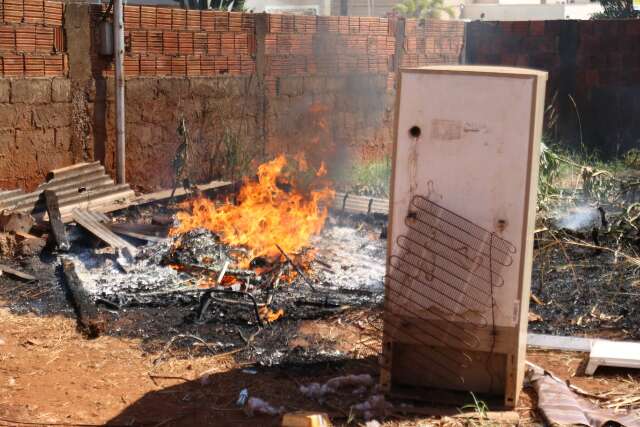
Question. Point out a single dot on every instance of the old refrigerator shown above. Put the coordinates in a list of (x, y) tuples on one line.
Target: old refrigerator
[(465, 167)]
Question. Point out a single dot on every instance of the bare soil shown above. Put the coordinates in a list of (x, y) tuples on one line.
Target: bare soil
[(50, 374)]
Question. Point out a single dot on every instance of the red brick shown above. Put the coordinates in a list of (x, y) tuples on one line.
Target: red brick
[(169, 42), (132, 65), (12, 65), (193, 20), (147, 65), (178, 66), (163, 65), (148, 17), (34, 66), (163, 18), (193, 65), (26, 38), (207, 20), (200, 43), (34, 11), (536, 28), (185, 43), (53, 11), (178, 19), (7, 38), (154, 42), (221, 21), (131, 17), (138, 41)]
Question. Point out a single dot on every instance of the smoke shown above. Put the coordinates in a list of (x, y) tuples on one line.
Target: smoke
[(578, 218)]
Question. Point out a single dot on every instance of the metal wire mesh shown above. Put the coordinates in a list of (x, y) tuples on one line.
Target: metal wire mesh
[(440, 287)]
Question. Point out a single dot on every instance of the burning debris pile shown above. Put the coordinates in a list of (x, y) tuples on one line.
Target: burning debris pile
[(273, 253)]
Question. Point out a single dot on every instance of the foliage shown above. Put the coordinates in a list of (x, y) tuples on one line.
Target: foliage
[(237, 160), (423, 9), (480, 408), (632, 158), (599, 184), (369, 178), (549, 171), (226, 5), (616, 9), (562, 173)]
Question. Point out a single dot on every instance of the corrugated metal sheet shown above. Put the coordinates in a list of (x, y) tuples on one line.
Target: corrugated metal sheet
[(83, 185)]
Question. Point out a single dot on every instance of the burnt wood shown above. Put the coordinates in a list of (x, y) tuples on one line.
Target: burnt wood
[(58, 232), (89, 320), (16, 273)]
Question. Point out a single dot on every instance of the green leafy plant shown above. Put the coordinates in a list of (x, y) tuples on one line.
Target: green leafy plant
[(616, 9), (550, 167), (237, 160), (481, 410), (599, 184), (423, 9), (368, 178), (632, 158)]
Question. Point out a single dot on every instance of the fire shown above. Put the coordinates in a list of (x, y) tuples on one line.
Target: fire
[(269, 211)]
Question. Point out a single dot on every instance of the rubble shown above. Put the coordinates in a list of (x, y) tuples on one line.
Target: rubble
[(257, 406), (319, 392), (374, 407), (8, 245), (16, 222)]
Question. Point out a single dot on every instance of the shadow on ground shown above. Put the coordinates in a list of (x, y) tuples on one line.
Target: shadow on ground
[(212, 401)]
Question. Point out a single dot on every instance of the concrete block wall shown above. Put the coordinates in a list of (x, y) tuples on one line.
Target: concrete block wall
[(595, 64), (35, 128), (35, 95), (222, 120)]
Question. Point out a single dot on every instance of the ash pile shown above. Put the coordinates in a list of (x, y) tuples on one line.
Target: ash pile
[(344, 269)]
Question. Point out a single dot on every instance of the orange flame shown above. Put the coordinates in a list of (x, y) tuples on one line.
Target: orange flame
[(266, 214)]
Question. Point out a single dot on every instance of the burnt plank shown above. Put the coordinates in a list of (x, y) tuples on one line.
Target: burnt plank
[(89, 222), (147, 232), (55, 220), (16, 273), (89, 320)]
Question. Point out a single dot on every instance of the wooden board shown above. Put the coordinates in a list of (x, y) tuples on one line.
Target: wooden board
[(165, 194), (55, 220), (89, 319), (622, 354), (92, 224), (557, 342), (148, 232), (467, 141), (16, 273)]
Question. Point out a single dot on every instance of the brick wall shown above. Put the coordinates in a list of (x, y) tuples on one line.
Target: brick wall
[(594, 63), (35, 120), (249, 86), (432, 42), (174, 42), (31, 38), (327, 87)]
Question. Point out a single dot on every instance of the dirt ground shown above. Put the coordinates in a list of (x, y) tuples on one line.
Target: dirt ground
[(52, 375)]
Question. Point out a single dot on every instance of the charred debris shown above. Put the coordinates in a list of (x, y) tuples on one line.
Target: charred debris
[(145, 265)]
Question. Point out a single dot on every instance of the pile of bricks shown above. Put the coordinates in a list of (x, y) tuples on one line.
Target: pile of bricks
[(169, 41), (31, 38)]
